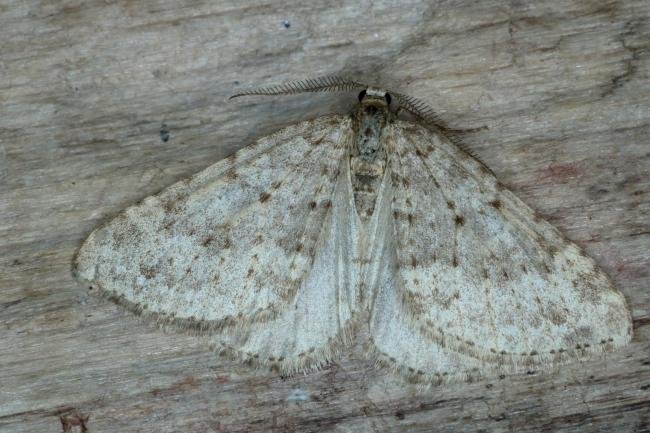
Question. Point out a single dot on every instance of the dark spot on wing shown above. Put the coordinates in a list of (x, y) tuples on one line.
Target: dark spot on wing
[(312, 204), (207, 240), (459, 220), (327, 204), (505, 274), (299, 247), (276, 184), (249, 273), (454, 261), (232, 174), (411, 219), (264, 197), (147, 271), (451, 204), (496, 204), (414, 262)]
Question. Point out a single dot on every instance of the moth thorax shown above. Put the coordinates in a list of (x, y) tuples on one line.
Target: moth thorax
[(370, 119)]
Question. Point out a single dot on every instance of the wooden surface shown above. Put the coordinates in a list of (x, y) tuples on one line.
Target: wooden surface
[(103, 103)]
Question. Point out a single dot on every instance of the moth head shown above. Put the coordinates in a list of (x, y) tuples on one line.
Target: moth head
[(374, 103), (372, 96)]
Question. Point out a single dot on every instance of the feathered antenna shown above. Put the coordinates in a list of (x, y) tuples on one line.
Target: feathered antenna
[(425, 113), (320, 84), (417, 108)]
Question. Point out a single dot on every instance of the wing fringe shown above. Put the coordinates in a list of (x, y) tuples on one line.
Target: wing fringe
[(530, 365)]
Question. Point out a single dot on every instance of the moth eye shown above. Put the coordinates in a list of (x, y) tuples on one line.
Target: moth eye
[(388, 98), (362, 95)]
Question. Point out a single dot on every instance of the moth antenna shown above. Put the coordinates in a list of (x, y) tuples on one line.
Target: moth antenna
[(319, 84), (425, 113), (417, 108)]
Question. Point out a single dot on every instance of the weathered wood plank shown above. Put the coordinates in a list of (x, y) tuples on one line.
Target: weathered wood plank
[(553, 96)]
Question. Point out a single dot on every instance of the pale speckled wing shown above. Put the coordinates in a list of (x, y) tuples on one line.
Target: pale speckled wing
[(320, 319), (256, 239), (480, 283)]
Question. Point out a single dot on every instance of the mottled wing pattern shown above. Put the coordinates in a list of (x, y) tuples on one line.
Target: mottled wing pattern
[(320, 319), (395, 338), (480, 282), (230, 248)]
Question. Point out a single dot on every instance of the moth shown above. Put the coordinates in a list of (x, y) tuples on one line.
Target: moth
[(283, 251)]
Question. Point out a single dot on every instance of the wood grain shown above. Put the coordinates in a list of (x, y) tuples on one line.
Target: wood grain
[(105, 102)]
